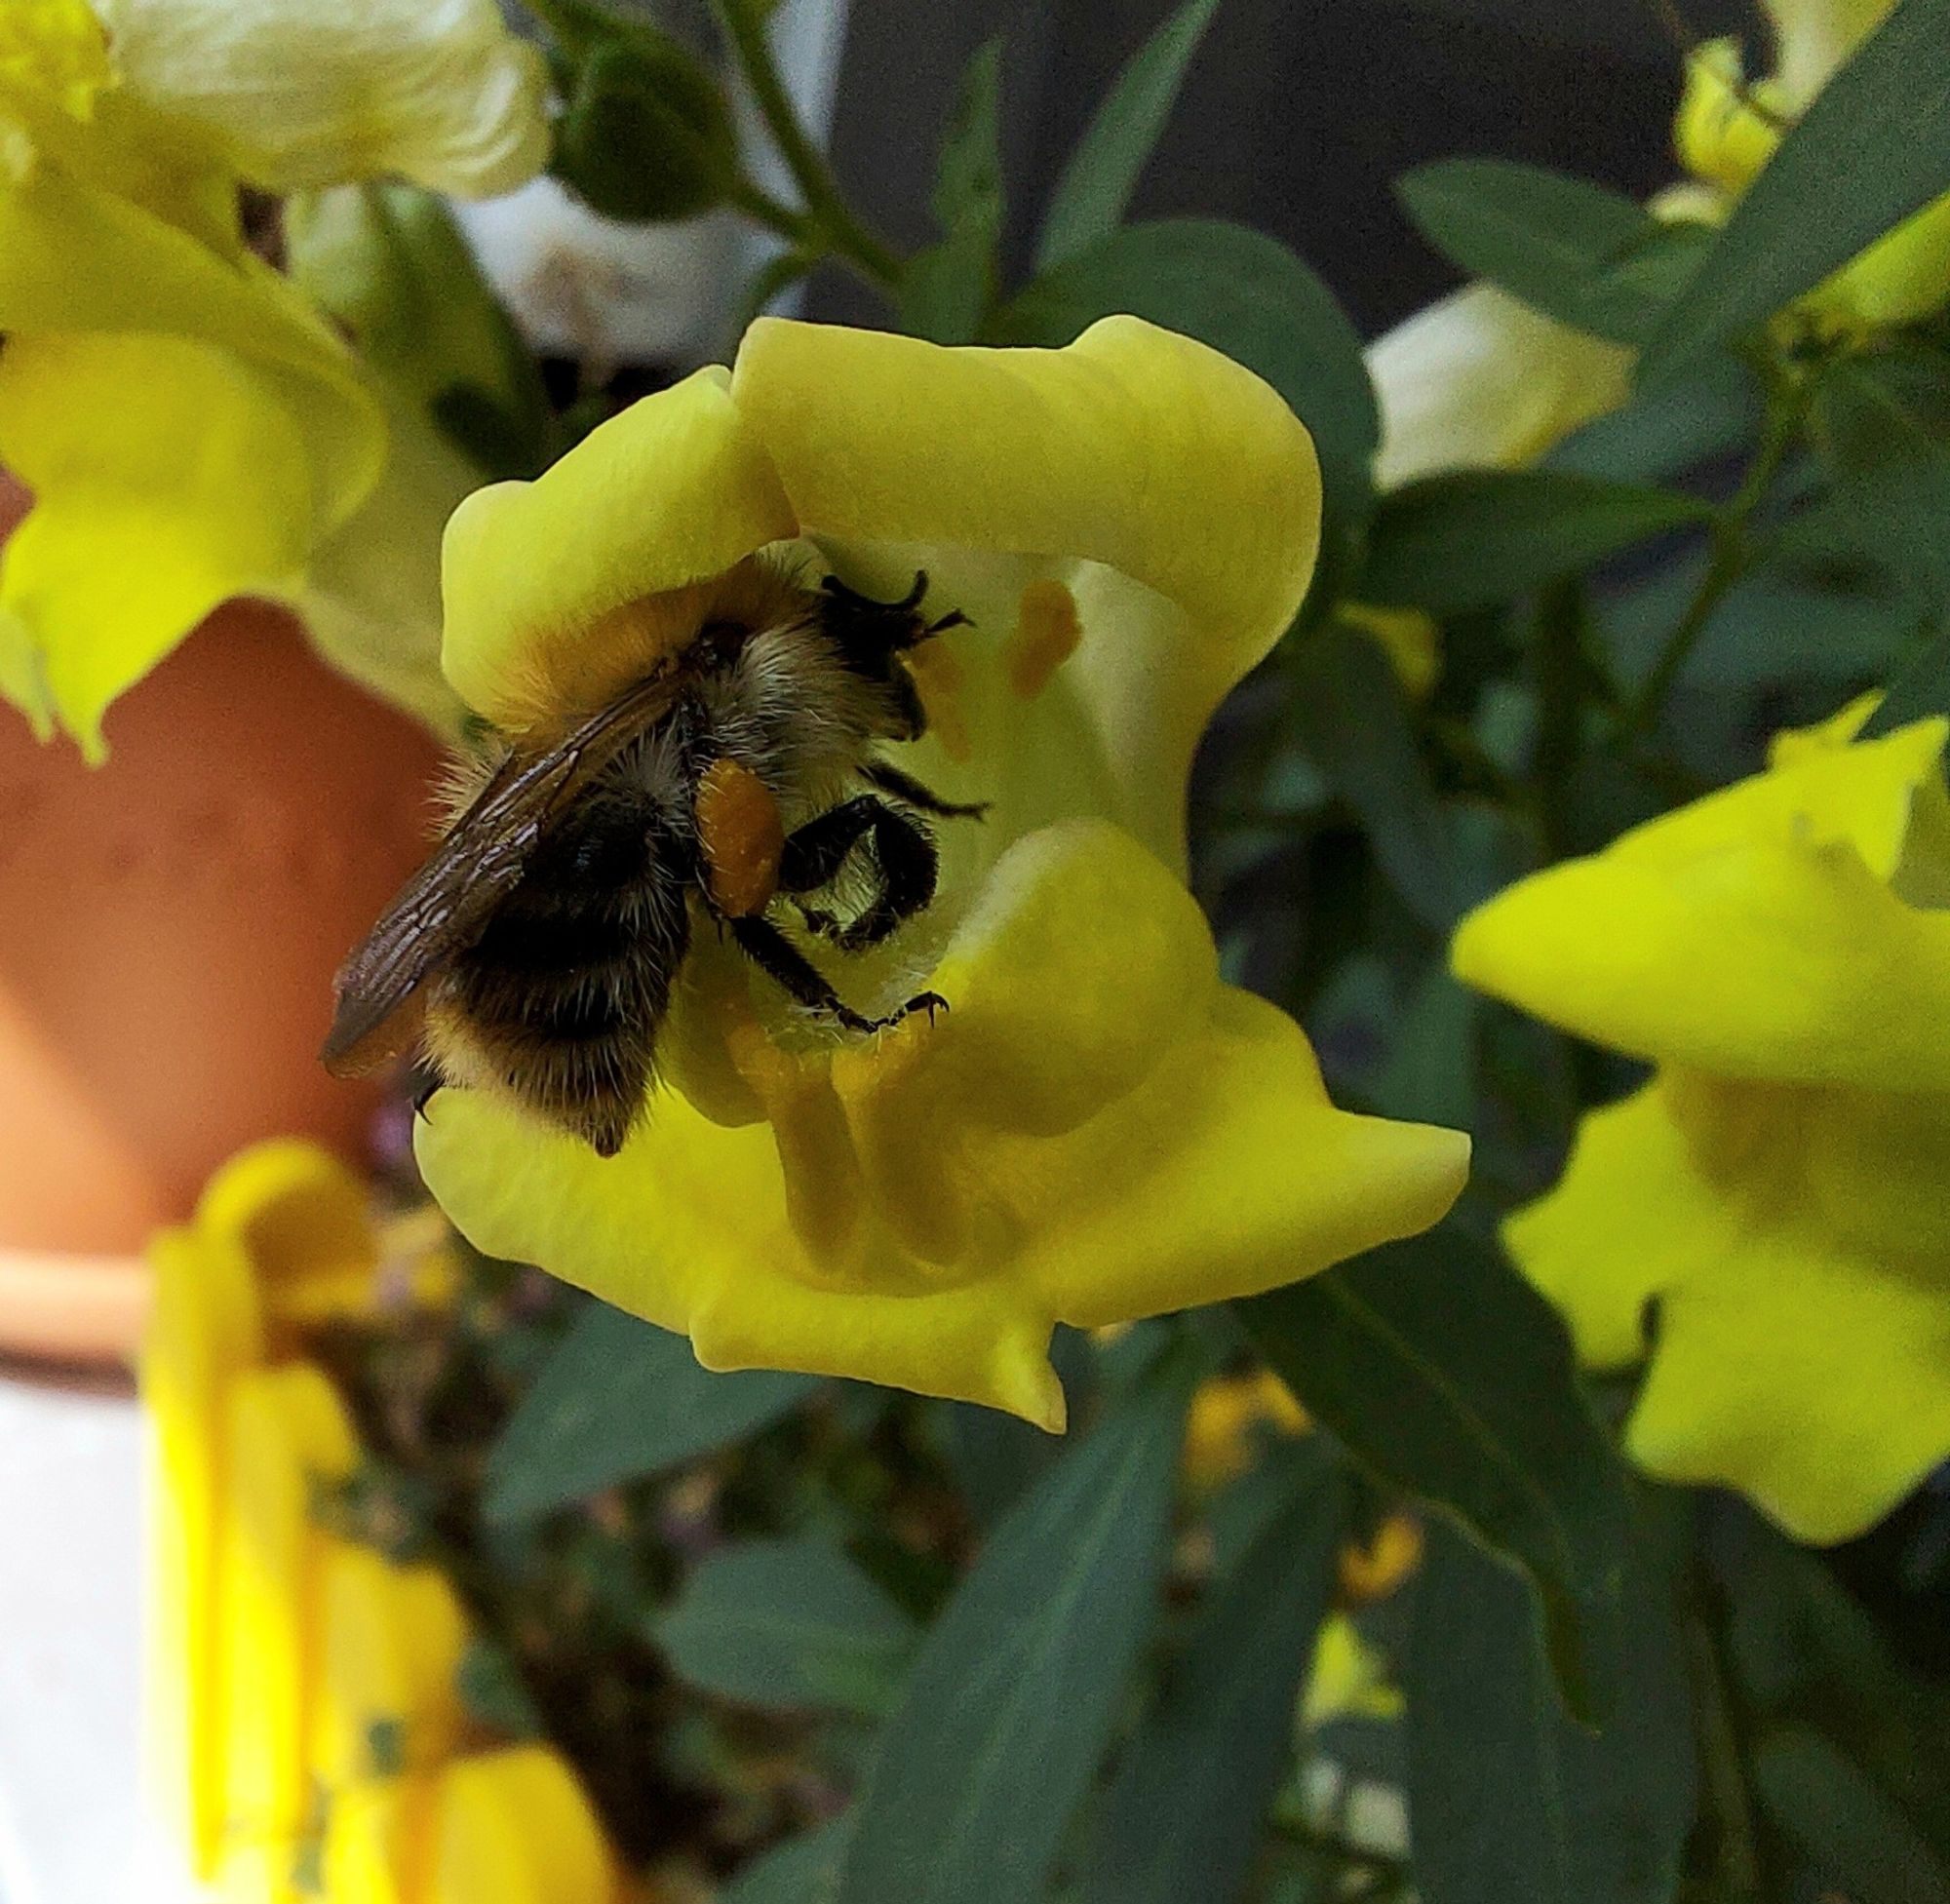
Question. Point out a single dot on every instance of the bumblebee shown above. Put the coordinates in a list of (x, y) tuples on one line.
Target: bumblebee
[(535, 952)]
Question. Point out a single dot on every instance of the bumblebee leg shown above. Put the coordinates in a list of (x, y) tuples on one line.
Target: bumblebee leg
[(916, 794), (802, 981), (904, 857), (814, 853), (909, 865)]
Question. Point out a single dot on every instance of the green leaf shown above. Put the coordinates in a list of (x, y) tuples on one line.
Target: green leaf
[(1241, 292), (788, 1623), (1183, 1814), (1481, 537), (1507, 1799), (1096, 186), (946, 291), (1547, 238), (1882, 422), (617, 1400), (1012, 1698), (801, 1871), (1854, 1833), (1444, 1372), (995, 1456), (1873, 147), (1803, 1651), (1709, 411), (1811, 609), (1919, 688), (1349, 716), (1430, 1072)]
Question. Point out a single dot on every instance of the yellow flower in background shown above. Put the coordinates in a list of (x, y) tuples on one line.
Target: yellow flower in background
[(1728, 127), (1098, 1129), (305, 1736), (291, 95), (190, 428), (1782, 951), (1350, 1678), (1410, 640), (1479, 381), (1373, 1568), (1229, 1419)]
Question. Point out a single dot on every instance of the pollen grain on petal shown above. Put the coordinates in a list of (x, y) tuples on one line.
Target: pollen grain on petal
[(1045, 636)]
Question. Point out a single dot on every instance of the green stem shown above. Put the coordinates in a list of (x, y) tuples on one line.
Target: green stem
[(1726, 1809), (1733, 551), (826, 218), (761, 207)]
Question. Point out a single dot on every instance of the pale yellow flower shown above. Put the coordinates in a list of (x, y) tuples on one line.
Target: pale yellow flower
[(1480, 380), (190, 428)]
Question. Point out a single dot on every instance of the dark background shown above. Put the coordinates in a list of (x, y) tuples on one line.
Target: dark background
[(1294, 117)]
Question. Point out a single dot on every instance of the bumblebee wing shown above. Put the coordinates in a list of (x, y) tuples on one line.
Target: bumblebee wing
[(445, 906)]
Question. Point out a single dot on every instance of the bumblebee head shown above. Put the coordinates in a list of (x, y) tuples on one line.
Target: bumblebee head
[(875, 639)]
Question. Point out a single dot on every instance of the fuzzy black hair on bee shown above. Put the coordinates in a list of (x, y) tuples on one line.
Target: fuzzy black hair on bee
[(534, 954)]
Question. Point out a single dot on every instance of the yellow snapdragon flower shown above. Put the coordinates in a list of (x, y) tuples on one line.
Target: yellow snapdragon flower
[(306, 1736), (190, 428), (1782, 951), (1098, 1129), (1728, 127)]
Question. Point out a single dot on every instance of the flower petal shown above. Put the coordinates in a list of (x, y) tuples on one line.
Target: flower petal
[(1095, 1131), (1229, 1174), (54, 49), (672, 493), (391, 1643), (200, 491), (371, 594), (1792, 1240), (1812, 37), (286, 1435), (1479, 381), (1630, 1217), (299, 95), (1725, 131), (74, 256), (1098, 1113), (374, 1844), (1132, 446), (1133, 449), (688, 1227), (1751, 933), (204, 1328), (1816, 1381), (514, 1827)]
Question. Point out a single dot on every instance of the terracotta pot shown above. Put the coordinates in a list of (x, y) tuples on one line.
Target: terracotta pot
[(169, 928)]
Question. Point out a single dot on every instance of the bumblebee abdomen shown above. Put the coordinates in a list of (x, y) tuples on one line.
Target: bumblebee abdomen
[(558, 1002)]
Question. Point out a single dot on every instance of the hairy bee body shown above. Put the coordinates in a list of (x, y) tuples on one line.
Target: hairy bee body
[(536, 953), (559, 999)]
